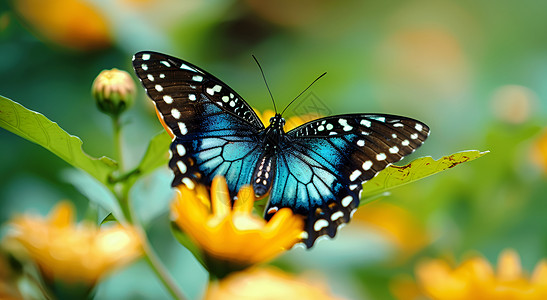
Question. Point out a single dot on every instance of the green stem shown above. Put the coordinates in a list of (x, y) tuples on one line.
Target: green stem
[(155, 263), (118, 142), (122, 194)]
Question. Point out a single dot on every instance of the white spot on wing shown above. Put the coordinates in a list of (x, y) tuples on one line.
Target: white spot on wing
[(394, 149), (168, 99), (365, 123), (182, 128), (165, 63), (345, 125), (346, 201), (144, 67), (188, 182), (360, 143), (354, 175), (181, 166), (192, 97), (146, 56), (398, 125), (381, 156), (150, 77), (414, 136), (186, 67), (320, 224), (159, 88), (405, 143), (181, 150), (419, 127), (337, 215), (197, 78), (175, 113), (367, 165)]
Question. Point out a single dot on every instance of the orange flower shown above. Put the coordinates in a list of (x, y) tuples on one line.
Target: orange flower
[(70, 253), (232, 238), (266, 284), (476, 279), (72, 23), (539, 152), (396, 224)]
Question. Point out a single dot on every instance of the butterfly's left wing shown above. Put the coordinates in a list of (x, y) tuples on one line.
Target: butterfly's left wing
[(323, 163), (216, 131)]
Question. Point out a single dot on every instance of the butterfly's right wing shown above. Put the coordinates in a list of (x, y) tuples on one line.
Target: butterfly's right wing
[(322, 165), (216, 131)]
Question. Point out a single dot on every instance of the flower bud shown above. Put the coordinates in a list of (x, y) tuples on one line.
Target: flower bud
[(114, 91)]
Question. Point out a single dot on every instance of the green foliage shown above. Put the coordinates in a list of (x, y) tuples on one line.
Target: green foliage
[(38, 129), (156, 153), (394, 176), (185, 240)]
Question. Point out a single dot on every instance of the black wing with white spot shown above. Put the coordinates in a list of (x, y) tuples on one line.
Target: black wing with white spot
[(215, 129), (324, 162)]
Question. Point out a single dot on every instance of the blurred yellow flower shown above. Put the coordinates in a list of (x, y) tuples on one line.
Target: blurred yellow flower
[(232, 238), (539, 152), (475, 279), (397, 224), (514, 104), (290, 123), (267, 284), (74, 24), (74, 253), (114, 91)]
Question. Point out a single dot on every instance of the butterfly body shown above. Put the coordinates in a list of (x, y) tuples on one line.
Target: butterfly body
[(316, 169)]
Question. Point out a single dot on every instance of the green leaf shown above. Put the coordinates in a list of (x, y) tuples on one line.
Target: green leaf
[(109, 218), (38, 129), (187, 242), (394, 176), (156, 154), (93, 190)]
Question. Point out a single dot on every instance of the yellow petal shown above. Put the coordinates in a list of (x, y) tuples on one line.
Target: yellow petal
[(245, 200), (62, 214), (220, 197), (509, 267)]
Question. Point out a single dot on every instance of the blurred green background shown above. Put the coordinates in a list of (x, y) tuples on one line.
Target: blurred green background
[(474, 71)]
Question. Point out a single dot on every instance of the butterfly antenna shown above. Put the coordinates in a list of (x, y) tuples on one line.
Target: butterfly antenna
[(266, 82), (303, 92)]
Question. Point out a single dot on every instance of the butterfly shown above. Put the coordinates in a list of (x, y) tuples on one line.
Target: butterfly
[(317, 169)]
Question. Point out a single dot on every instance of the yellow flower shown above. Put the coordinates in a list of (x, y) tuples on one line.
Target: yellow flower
[(75, 24), (539, 152), (114, 91), (395, 223), (266, 284), (476, 279), (232, 238), (70, 253), (290, 123)]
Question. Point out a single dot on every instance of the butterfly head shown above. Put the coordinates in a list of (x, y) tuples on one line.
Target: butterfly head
[(277, 122)]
